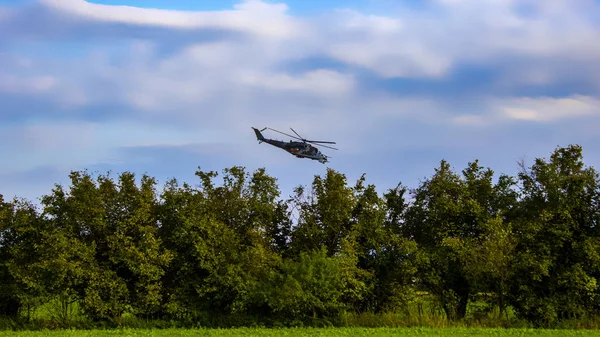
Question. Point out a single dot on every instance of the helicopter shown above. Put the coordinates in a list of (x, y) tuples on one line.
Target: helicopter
[(300, 149)]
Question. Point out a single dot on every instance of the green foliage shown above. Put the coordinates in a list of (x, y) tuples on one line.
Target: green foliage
[(461, 249), (556, 268), (109, 254), (325, 214), (17, 244), (309, 287)]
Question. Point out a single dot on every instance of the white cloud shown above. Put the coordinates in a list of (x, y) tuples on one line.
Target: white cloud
[(474, 30), (251, 16), (428, 44), (353, 20), (389, 46), (204, 92), (549, 109), (499, 111), (406, 43), (391, 58), (22, 84), (320, 82), (204, 72)]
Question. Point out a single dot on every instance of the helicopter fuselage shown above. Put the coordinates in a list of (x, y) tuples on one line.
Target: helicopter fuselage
[(298, 149)]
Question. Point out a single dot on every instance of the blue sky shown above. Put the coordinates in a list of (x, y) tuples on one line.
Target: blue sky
[(162, 87)]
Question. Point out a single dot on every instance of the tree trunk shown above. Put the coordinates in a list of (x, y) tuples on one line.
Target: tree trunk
[(501, 300), (463, 301)]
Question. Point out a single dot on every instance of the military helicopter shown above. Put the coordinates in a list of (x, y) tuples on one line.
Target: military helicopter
[(299, 149)]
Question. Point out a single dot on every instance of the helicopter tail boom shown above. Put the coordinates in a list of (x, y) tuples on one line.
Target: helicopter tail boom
[(259, 135)]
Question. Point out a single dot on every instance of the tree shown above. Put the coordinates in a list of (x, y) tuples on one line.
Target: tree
[(136, 251), (17, 239), (387, 259), (109, 235), (221, 240), (450, 216), (557, 254), (269, 218), (325, 215), (487, 253), (309, 287)]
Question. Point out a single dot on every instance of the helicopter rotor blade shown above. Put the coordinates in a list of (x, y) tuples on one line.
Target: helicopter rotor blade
[(305, 140), (298, 134), (329, 147), (283, 133), (319, 141), (312, 141)]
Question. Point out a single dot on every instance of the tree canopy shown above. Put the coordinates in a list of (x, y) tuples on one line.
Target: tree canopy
[(120, 245)]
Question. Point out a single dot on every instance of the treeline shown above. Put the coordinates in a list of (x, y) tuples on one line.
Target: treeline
[(183, 253)]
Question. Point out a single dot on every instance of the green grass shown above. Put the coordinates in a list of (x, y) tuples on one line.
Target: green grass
[(326, 332)]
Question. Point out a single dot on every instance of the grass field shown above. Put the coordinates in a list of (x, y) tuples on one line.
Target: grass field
[(325, 332)]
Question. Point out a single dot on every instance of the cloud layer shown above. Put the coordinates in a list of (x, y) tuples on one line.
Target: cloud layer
[(89, 85)]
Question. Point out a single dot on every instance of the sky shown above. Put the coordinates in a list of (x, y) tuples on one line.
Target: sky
[(163, 87)]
